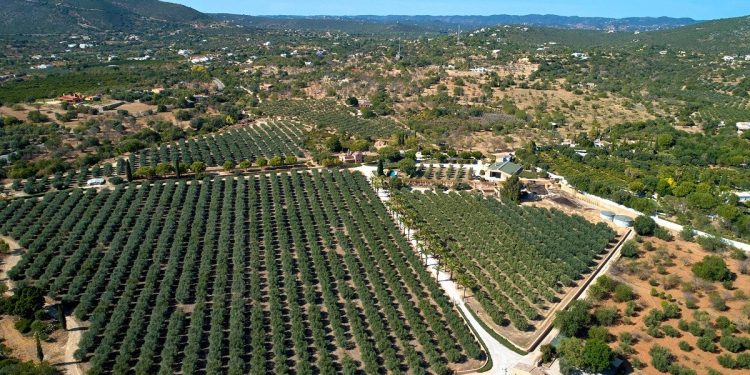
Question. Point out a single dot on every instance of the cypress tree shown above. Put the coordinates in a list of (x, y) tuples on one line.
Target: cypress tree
[(128, 171), (39, 352), (177, 168), (380, 167), (61, 316)]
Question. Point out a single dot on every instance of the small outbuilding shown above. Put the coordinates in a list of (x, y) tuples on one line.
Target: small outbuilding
[(502, 171), (98, 181), (349, 157)]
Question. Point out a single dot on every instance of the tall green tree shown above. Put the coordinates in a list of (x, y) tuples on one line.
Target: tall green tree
[(128, 171), (511, 189), (39, 351)]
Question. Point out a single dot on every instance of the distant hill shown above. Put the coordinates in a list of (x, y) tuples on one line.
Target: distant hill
[(728, 36), (66, 16), (451, 23)]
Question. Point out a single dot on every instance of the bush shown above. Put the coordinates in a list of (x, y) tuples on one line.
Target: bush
[(574, 319), (663, 234), (706, 344), (727, 361), (717, 301), (684, 346), (661, 358), (597, 356), (712, 243), (732, 343), (629, 249), (644, 225), (606, 316), (712, 268), (24, 325), (623, 293), (687, 233)]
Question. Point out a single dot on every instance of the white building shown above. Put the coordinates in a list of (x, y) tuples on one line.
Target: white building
[(728, 58), (743, 196), (95, 182), (743, 127)]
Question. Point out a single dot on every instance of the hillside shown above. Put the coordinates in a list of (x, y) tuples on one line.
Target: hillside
[(729, 36), (65, 16)]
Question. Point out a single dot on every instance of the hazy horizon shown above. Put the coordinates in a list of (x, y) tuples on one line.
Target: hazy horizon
[(695, 9)]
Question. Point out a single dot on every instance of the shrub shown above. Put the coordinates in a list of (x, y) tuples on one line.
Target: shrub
[(606, 316), (717, 301), (684, 346), (623, 293), (732, 343), (663, 234), (661, 358), (629, 249), (596, 355), (727, 361), (599, 333), (687, 233), (706, 344), (644, 225), (712, 243), (574, 319), (712, 268)]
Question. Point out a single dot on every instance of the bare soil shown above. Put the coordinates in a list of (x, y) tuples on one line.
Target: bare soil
[(683, 255)]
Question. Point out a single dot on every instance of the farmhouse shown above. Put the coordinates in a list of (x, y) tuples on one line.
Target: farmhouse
[(71, 98), (349, 157), (502, 171)]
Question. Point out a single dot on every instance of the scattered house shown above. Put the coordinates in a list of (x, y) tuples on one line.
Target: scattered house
[(351, 158), (480, 70), (663, 53), (184, 52), (200, 59), (364, 103), (501, 171), (743, 127), (743, 196), (747, 57), (41, 66), (71, 98), (728, 58), (95, 181), (582, 153), (580, 55)]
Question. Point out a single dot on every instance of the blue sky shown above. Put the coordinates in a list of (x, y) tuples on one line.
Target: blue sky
[(698, 9)]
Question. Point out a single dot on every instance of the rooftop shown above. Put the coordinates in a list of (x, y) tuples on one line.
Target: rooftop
[(506, 167)]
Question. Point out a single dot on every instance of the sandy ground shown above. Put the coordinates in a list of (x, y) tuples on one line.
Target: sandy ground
[(24, 347), (682, 255)]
